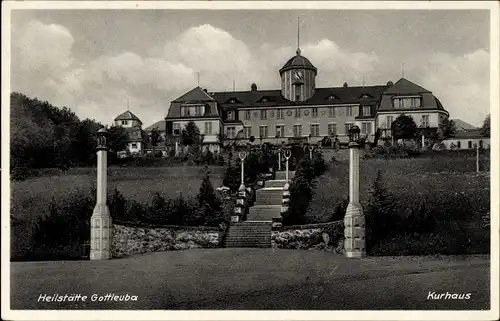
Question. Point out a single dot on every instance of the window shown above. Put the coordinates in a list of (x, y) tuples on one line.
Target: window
[(263, 114), (388, 121), (459, 145), (248, 114), (280, 131), (230, 115), (192, 110), (297, 92), (208, 128), (331, 97), (297, 112), (366, 128), (315, 112), (405, 103), (347, 127), (177, 129), (332, 129), (279, 114), (425, 121), (124, 122), (297, 130), (331, 112), (247, 131), (134, 145), (349, 111), (366, 110), (314, 129), (263, 131), (469, 144), (231, 132)]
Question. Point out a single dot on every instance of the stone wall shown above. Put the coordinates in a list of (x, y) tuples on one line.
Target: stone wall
[(136, 238), (321, 237)]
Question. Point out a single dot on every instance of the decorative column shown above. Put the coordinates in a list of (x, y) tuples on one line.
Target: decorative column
[(100, 222), (241, 200), (423, 141), (354, 221)]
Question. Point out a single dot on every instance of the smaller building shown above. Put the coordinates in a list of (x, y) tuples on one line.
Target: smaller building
[(467, 139), (138, 139)]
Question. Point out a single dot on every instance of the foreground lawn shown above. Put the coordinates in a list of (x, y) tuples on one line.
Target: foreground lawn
[(256, 279)]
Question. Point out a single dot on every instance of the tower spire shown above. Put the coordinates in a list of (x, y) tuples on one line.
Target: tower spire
[(298, 35)]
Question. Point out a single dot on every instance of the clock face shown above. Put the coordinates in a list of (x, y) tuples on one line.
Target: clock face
[(298, 75)]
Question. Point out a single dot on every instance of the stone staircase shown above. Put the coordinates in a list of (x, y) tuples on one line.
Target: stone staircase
[(249, 234), (256, 230)]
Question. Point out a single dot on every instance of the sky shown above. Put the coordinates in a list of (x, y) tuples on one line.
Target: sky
[(98, 62)]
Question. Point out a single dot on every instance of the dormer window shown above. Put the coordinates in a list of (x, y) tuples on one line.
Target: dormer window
[(230, 115), (264, 100), (232, 101), (407, 102), (366, 96), (332, 97)]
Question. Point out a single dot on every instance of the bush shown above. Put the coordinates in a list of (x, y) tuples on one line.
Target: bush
[(319, 164)]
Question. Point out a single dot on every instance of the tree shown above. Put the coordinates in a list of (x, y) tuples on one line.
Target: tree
[(404, 127), (190, 134), (485, 129), (155, 137), (448, 128), (117, 139)]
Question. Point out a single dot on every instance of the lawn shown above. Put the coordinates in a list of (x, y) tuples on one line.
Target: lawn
[(31, 197), (255, 279), (408, 180)]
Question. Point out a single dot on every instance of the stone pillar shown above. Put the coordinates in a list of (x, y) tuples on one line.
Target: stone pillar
[(100, 222), (285, 202), (279, 160), (354, 221)]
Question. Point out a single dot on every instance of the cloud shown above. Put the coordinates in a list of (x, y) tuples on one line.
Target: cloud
[(43, 66), (461, 83)]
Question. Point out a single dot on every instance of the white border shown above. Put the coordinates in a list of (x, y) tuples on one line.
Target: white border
[(493, 314)]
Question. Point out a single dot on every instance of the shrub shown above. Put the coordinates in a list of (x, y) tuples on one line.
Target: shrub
[(232, 178), (319, 164), (380, 220)]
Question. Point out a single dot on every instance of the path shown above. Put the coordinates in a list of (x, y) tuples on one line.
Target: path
[(256, 279)]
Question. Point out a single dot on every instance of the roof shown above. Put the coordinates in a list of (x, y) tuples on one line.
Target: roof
[(322, 96), (461, 125), (135, 134), (297, 61), (127, 115), (404, 87), (161, 125), (469, 134), (196, 94)]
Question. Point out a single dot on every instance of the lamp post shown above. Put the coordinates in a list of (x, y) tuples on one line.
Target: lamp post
[(354, 221), (287, 154), (242, 156), (477, 158), (100, 222), (285, 201), (311, 152), (279, 159)]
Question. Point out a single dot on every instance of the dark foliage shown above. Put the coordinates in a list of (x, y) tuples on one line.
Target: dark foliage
[(404, 127)]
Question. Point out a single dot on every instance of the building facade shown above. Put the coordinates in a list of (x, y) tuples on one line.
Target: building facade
[(300, 111), (138, 139)]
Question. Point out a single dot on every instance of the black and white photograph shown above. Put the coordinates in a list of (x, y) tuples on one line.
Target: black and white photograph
[(250, 160)]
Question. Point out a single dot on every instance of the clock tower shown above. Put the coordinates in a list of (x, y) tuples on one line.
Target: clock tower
[(298, 78)]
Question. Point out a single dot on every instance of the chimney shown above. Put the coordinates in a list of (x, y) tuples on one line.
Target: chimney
[(254, 87), (205, 90), (390, 83), (344, 85)]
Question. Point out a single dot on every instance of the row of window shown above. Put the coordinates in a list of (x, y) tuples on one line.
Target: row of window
[(424, 121), (314, 129), (297, 112), (194, 110), (469, 144), (407, 103), (177, 128)]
